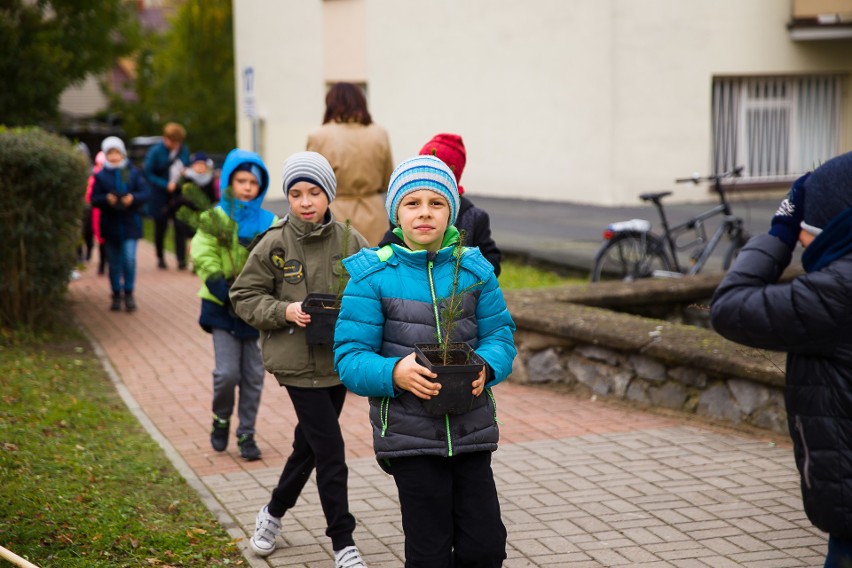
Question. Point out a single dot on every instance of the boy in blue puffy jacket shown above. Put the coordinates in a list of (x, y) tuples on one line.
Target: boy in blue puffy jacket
[(441, 464)]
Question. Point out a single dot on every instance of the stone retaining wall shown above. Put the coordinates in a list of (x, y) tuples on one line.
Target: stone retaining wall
[(568, 335)]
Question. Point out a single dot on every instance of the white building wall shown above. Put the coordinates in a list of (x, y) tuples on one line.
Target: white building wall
[(667, 53), (589, 101), (282, 41)]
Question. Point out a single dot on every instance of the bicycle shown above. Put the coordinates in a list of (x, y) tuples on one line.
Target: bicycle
[(631, 250)]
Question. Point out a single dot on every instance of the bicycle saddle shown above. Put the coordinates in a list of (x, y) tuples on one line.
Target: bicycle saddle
[(654, 196)]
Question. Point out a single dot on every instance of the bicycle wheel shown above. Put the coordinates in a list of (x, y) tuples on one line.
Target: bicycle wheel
[(629, 256), (733, 251)]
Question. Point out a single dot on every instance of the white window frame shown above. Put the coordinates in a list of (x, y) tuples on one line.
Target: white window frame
[(798, 127)]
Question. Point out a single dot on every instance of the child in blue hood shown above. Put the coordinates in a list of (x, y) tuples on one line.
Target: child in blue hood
[(219, 253)]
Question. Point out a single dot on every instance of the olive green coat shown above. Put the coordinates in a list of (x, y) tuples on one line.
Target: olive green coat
[(288, 261)]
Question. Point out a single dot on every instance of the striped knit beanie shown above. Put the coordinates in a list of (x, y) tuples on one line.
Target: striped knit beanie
[(422, 172), (310, 167)]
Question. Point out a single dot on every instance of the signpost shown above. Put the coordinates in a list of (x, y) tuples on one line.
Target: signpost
[(250, 105)]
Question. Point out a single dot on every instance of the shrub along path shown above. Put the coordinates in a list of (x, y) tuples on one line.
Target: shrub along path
[(582, 482)]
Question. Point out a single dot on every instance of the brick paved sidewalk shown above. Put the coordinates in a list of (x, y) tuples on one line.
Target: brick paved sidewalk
[(582, 483)]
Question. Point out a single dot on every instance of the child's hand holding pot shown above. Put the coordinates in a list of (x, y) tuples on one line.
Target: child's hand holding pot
[(479, 383), (410, 376), (295, 314)]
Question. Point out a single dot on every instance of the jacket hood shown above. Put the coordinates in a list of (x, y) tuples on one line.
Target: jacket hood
[(249, 216), (238, 156)]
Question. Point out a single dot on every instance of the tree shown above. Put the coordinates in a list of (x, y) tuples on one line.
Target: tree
[(188, 76), (48, 45)]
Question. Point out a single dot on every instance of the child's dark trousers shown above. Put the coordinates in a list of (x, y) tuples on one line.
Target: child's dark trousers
[(318, 442), (450, 511)]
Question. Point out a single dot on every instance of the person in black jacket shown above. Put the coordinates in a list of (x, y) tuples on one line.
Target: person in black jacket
[(809, 317), (449, 148)]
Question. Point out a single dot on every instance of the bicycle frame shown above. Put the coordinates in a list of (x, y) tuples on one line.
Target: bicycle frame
[(707, 246), (671, 233), (704, 247)]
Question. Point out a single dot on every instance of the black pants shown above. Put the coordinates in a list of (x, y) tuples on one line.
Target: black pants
[(84, 252), (161, 224), (450, 511), (318, 442)]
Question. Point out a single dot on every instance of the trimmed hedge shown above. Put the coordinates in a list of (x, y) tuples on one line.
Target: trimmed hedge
[(42, 188)]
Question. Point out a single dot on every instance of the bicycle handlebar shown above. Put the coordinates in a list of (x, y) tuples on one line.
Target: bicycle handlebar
[(698, 178)]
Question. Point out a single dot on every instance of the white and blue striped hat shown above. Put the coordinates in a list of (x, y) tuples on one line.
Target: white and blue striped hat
[(313, 168), (422, 172)]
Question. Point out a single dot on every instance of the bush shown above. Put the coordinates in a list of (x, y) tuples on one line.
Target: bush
[(42, 186)]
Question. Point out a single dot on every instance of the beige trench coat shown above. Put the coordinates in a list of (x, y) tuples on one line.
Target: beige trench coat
[(361, 158)]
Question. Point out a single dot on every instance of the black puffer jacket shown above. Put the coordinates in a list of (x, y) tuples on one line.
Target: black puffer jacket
[(477, 227), (810, 318)]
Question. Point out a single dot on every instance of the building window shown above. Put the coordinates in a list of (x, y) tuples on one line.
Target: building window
[(775, 127)]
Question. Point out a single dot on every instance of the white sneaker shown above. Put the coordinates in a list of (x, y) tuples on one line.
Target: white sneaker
[(349, 557), (266, 528)]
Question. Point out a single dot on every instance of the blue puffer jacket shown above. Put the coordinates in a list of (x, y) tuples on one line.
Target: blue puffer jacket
[(388, 306), (118, 222)]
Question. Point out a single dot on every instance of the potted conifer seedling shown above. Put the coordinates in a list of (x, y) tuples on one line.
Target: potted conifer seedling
[(455, 363), (325, 307), (222, 228)]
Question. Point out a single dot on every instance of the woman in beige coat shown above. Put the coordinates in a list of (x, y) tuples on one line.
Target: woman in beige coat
[(359, 151)]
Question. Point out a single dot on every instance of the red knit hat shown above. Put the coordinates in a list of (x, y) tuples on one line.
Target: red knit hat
[(448, 148)]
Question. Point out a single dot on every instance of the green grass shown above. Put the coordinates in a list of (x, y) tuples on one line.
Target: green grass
[(81, 482), (515, 275)]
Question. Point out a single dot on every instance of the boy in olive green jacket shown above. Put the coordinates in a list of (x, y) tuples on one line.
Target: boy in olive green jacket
[(300, 255)]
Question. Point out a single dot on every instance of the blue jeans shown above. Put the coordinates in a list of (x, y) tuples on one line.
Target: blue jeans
[(839, 553), (121, 256)]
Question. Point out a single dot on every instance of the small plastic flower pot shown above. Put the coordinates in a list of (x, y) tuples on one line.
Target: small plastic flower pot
[(456, 377), (323, 309)]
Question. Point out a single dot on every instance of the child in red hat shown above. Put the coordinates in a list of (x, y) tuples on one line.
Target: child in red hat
[(449, 148)]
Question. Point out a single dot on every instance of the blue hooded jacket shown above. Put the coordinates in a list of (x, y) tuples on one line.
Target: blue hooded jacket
[(213, 264), (251, 219)]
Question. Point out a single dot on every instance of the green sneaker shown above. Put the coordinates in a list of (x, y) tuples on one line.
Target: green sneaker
[(219, 433), (248, 448)]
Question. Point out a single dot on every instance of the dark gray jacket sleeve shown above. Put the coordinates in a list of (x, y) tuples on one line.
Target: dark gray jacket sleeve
[(809, 314)]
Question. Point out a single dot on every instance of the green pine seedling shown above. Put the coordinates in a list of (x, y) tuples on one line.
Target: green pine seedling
[(451, 308), (222, 228)]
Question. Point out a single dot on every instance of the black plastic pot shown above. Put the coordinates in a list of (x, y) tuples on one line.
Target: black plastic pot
[(323, 310), (456, 377)]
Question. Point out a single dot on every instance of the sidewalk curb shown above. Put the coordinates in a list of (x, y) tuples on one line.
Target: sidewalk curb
[(240, 538)]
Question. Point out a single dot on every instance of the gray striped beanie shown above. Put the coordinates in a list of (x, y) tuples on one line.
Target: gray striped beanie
[(310, 167), (422, 172)]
